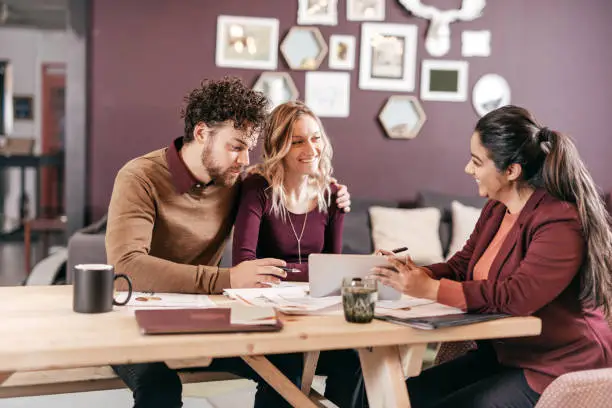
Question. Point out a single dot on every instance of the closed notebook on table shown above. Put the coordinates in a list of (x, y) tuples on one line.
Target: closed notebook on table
[(438, 322), (211, 320)]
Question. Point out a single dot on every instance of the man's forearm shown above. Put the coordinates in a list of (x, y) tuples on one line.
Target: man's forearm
[(152, 274)]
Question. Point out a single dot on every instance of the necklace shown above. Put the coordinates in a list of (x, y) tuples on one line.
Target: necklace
[(299, 240)]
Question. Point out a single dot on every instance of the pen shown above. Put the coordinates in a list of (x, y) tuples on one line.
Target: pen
[(398, 250), (289, 270)]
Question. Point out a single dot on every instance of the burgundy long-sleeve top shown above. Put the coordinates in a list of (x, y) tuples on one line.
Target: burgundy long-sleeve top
[(260, 234), (535, 272)]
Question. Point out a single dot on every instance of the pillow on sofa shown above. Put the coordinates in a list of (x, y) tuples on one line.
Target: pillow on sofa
[(443, 202), (464, 221), (415, 228), (357, 235)]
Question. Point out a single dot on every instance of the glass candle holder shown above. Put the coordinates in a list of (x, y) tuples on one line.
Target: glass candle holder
[(359, 298)]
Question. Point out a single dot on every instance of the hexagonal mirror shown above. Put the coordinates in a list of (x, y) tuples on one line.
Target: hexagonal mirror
[(277, 86), (304, 48), (402, 117)]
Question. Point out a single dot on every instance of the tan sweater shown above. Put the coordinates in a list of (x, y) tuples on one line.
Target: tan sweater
[(166, 241)]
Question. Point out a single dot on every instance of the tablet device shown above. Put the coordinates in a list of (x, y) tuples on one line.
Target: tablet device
[(326, 271)]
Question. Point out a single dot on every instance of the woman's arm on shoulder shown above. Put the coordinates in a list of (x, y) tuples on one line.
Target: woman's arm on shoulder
[(335, 225), (251, 209), (553, 259)]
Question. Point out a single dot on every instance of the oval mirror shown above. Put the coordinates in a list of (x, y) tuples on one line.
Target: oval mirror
[(490, 92)]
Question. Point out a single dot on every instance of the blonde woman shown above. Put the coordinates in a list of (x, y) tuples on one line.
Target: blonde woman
[(288, 210), (288, 206)]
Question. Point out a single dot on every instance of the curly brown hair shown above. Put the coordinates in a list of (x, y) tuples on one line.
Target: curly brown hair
[(227, 99)]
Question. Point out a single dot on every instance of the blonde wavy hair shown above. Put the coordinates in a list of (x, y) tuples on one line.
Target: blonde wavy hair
[(277, 135)]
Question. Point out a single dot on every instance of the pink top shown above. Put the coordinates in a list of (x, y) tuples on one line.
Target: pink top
[(451, 292)]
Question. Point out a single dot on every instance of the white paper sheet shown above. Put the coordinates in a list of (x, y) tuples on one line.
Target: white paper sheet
[(405, 302), (150, 300), (430, 309)]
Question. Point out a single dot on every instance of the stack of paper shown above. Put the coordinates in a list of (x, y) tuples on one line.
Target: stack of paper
[(150, 300), (288, 300), (243, 314)]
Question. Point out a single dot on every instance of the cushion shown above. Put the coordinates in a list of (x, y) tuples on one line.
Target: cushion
[(416, 229), (357, 236), (443, 202), (464, 220)]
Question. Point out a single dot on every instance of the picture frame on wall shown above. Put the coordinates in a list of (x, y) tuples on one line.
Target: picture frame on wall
[(328, 93), (317, 12), (304, 48), (277, 86), (388, 57), (247, 42), (444, 80), (23, 107), (365, 10), (342, 52), (402, 117)]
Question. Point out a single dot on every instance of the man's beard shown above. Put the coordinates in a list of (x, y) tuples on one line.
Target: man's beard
[(218, 175)]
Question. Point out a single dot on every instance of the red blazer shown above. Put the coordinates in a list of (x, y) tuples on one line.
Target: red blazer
[(535, 273)]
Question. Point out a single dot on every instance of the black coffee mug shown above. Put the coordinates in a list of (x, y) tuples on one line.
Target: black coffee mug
[(93, 287)]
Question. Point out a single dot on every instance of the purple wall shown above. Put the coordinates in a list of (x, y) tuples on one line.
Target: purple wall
[(147, 54)]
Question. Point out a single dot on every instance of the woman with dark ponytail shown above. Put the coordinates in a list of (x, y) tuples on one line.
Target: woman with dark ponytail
[(543, 247)]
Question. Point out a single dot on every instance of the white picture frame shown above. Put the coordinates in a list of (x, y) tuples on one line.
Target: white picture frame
[(365, 10), (247, 42), (388, 57), (328, 93), (342, 51), (317, 12), (444, 80)]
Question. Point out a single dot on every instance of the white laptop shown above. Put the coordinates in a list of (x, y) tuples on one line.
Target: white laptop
[(326, 271)]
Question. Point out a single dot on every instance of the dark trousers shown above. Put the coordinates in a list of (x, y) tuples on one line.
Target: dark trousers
[(155, 385), (475, 380)]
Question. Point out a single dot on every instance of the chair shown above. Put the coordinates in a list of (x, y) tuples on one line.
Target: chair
[(588, 388), (44, 226)]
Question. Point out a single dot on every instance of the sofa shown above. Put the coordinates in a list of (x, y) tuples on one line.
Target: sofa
[(87, 244)]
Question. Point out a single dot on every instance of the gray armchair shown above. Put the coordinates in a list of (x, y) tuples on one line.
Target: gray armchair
[(86, 246)]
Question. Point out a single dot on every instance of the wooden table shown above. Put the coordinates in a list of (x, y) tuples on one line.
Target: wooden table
[(39, 331)]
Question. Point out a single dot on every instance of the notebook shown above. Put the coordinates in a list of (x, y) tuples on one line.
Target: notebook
[(210, 320), (438, 322)]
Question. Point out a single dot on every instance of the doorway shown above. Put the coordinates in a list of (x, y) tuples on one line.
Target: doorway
[(53, 137)]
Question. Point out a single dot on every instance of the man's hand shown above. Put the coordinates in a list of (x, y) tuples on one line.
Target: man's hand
[(344, 198), (257, 273)]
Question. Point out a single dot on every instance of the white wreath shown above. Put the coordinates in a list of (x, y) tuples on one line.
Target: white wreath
[(437, 42)]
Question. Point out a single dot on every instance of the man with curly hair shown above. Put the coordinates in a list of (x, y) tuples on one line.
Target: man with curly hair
[(169, 218)]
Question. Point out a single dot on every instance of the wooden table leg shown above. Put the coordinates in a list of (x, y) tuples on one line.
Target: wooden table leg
[(189, 363), (311, 359), (412, 359), (27, 238), (279, 382), (4, 377), (384, 377)]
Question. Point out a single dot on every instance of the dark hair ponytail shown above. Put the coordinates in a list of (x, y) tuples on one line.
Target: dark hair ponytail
[(550, 159), (566, 177)]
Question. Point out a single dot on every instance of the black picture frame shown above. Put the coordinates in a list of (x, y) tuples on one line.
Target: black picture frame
[(23, 107)]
